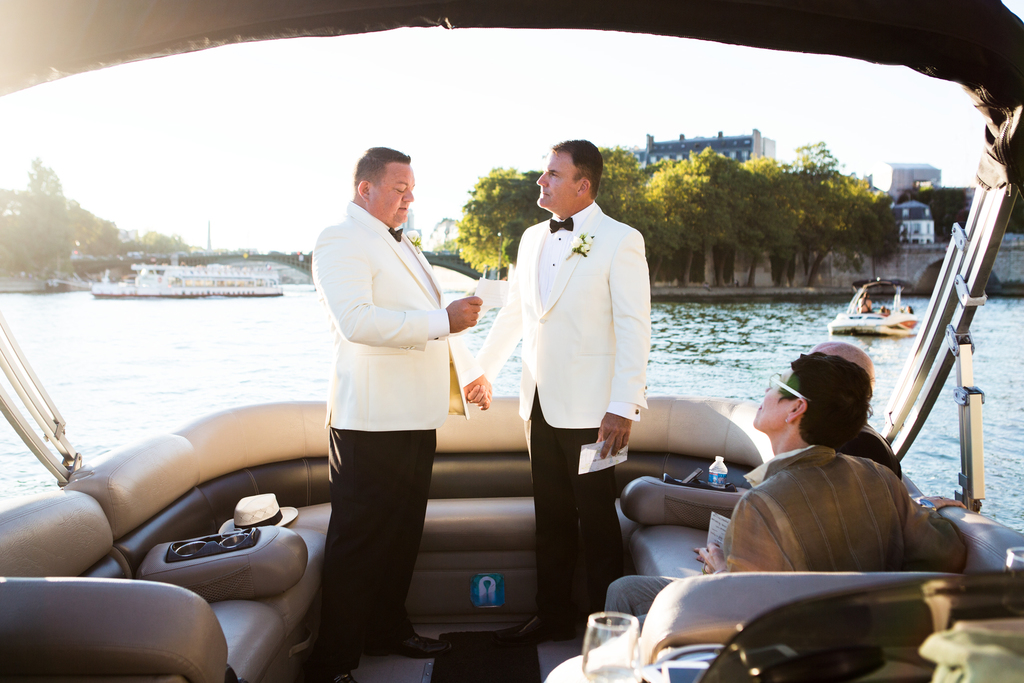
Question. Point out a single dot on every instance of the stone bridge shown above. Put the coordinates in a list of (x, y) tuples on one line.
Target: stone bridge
[(920, 264)]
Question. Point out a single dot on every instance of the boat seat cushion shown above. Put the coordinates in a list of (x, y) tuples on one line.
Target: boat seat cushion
[(102, 629), (986, 540), (667, 550), (61, 533), (135, 482), (255, 633), (650, 501), (270, 567), (294, 604), (707, 609)]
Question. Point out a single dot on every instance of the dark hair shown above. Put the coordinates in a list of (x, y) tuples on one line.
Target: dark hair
[(840, 398), (372, 164), (587, 159)]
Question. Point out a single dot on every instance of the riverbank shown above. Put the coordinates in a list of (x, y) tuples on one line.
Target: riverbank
[(21, 285), (696, 293)]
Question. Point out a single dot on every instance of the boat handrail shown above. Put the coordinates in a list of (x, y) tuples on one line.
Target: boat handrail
[(39, 404), (931, 358)]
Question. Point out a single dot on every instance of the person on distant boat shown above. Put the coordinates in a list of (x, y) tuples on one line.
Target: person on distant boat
[(885, 311), (397, 375), (580, 301), (866, 305), (810, 508)]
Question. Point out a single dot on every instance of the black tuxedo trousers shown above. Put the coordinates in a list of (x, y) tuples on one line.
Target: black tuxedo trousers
[(568, 506), (379, 487)]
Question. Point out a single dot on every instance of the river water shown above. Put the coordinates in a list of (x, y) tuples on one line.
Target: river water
[(122, 370)]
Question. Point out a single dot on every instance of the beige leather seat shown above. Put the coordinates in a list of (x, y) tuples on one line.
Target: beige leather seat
[(71, 629)]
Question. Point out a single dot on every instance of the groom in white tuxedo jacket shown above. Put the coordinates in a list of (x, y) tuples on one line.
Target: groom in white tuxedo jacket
[(397, 376), (580, 301)]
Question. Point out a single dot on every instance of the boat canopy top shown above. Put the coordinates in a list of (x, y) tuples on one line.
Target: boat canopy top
[(977, 43)]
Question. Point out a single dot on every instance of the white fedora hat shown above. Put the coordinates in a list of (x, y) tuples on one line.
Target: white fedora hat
[(261, 510)]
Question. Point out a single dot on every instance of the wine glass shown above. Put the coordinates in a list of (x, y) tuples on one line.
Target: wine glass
[(1015, 560), (610, 648)]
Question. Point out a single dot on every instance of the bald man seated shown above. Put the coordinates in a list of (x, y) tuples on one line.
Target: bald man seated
[(868, 443)]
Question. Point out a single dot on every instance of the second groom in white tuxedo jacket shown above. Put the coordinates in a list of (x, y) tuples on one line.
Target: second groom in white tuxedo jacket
[(580, 301)]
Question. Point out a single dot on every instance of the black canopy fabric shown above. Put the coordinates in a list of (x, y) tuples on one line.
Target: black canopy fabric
[(977, 43)]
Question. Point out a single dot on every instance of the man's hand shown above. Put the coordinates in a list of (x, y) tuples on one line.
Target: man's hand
[(940, 502), (463, 313), (614, 432), (479, 392), (713, 559)]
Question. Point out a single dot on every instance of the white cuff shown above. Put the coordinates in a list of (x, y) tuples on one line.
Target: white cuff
[(437, 324), (630, 411)]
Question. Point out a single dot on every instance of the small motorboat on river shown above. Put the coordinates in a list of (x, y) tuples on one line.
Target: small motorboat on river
[(861, 316), (191, 282)]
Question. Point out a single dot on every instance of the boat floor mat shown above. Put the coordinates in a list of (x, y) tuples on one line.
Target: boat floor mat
[(475, 657)]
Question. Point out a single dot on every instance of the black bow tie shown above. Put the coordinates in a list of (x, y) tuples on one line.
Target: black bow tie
[(396, 233), (563, 225)]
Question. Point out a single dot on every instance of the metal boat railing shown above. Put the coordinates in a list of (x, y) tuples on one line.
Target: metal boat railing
[(39, 404), (944, 338)]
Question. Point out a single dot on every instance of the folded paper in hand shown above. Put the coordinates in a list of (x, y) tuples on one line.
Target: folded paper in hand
[(493, 292), (716, 529), (591, 460)]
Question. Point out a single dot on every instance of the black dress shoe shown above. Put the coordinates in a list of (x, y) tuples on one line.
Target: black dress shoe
[(416, 647), (536, 630)]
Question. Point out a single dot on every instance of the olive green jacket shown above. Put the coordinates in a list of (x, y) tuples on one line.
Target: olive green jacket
[(819, 511)]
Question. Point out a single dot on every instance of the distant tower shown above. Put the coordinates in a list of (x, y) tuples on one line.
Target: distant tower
[(209, 245)]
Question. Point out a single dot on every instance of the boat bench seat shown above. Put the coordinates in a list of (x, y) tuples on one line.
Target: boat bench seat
[(706, 609)]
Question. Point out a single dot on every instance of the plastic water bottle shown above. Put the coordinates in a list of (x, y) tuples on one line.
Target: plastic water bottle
[(717, 472)]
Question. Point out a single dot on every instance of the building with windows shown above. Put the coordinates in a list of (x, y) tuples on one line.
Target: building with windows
[(899, 178), (445, 231), (915, 223), (738, 147)]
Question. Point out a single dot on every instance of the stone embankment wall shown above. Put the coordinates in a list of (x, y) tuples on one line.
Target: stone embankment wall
[(21, 285), (915, 263)]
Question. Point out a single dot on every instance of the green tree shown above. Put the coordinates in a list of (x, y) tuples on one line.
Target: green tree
[(948, 206), (839, 214), (503, 201), (768, 215), (36, 232), (625, 195), (158, 243), (674, 192), (92, 234)]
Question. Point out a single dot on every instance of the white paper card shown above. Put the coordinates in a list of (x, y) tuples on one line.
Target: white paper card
[(716, 529), (493, 292), (590, 460)]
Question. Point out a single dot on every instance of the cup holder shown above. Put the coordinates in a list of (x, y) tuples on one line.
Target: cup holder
[(217, 544)]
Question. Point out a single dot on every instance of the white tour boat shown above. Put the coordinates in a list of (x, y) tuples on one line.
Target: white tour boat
[(190, 282), (863, 317)]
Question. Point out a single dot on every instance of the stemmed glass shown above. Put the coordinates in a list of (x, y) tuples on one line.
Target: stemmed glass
[(610, 648), (1015, 560)]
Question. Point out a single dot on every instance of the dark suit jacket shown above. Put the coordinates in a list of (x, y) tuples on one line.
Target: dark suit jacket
[(873, 446)]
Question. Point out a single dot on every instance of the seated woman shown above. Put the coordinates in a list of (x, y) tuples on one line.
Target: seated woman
[(811, 509), (866, 306)]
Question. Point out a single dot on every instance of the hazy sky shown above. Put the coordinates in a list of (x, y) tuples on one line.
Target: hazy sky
[(260, 139)]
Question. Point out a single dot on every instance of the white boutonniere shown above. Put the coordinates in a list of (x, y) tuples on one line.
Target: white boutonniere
[(581, 245), (415, 239)]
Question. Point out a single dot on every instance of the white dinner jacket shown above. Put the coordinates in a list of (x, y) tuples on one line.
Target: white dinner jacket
[(387, 376), (589, 346)]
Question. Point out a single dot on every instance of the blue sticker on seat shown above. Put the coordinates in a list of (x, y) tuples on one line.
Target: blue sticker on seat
[(487, 590)]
